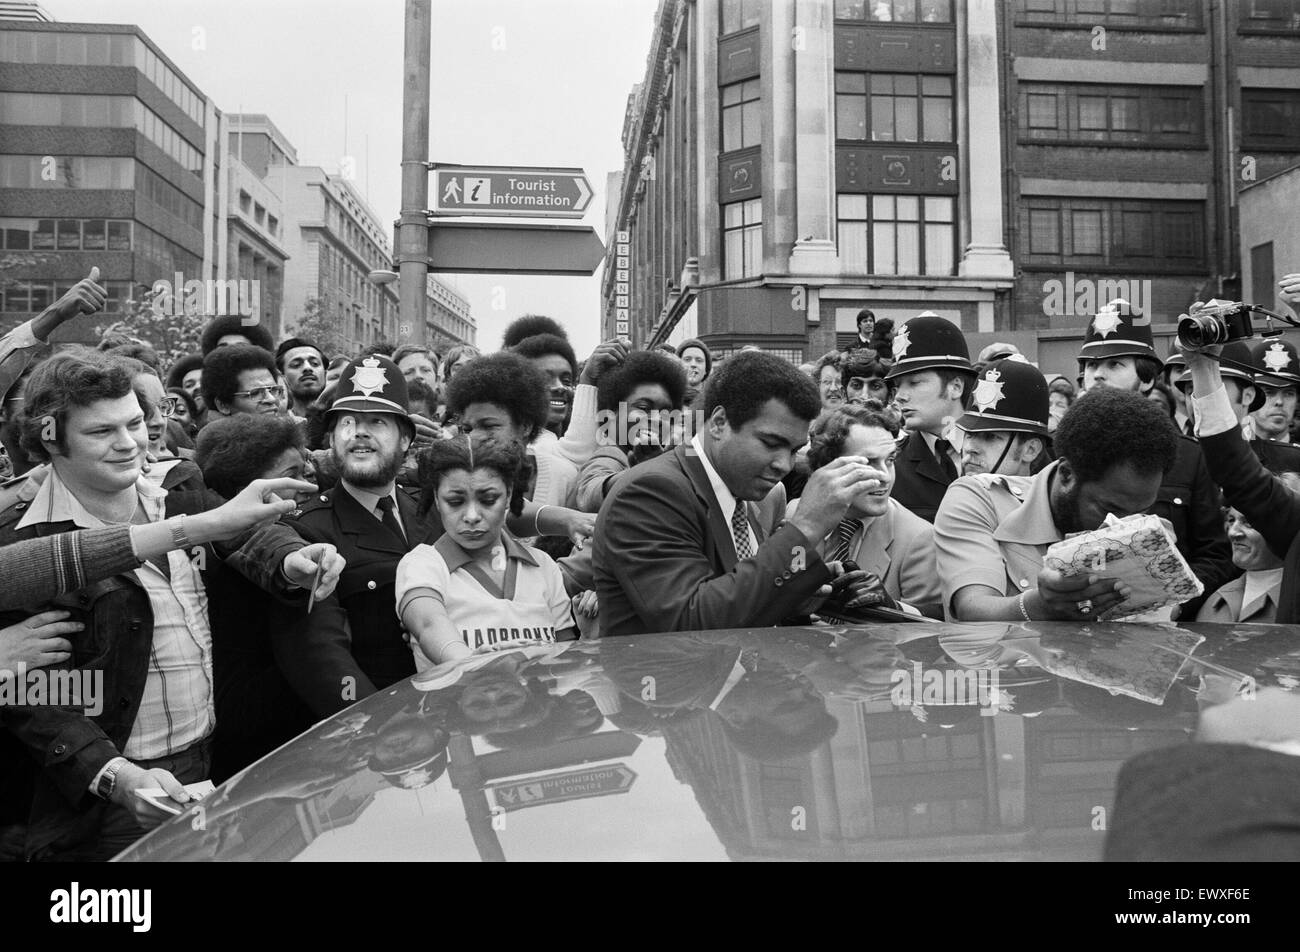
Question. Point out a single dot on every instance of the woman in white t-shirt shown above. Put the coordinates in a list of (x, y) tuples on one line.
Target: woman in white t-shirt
[(478, 585)]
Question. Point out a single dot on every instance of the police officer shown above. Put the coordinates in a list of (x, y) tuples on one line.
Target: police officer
[(1239, 369), (1006, 426), (352, 644), (932, 374), (1277, 374), (1118, 352)]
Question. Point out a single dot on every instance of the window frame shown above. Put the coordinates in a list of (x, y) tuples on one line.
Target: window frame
[(923, 224), (746, 230)]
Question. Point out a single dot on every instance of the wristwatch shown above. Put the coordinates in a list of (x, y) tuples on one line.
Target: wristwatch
[(179, 538), (108, 779)]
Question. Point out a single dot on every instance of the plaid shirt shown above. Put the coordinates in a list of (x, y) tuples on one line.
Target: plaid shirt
[(176, 708)]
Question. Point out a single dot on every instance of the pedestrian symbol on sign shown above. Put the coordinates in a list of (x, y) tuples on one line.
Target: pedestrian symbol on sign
[(452, 192), (478, 191)]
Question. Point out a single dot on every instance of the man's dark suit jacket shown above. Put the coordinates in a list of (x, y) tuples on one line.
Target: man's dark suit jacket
[(665, 561), (352, 643), (1266, 503), (919, 483), (1189, 499)]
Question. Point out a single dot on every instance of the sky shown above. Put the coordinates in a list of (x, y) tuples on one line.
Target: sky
[(526, 82)]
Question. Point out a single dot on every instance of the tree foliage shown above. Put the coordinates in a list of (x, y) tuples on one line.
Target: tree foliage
[(323, 328), (151, 319)]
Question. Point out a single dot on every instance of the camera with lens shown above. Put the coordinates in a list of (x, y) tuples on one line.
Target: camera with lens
[(1218, 323)]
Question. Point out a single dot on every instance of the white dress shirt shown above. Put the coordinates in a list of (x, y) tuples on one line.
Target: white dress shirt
[(726, 501)]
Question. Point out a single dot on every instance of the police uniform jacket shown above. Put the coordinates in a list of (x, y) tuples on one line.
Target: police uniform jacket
[(352, 643), (994, 530), (919, 482)]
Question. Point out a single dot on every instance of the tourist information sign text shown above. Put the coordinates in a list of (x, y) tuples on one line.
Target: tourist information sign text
[(498, 190)]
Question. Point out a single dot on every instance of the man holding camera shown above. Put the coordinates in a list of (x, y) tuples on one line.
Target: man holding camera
[(1263, 499), (1118, 352)]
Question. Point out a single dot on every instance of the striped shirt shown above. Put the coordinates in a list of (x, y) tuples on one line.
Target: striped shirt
[(176, 708)]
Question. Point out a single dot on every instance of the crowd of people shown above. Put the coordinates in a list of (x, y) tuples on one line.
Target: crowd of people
[(258, 535)]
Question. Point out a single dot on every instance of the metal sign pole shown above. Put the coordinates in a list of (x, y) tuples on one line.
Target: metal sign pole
[(412, 251)]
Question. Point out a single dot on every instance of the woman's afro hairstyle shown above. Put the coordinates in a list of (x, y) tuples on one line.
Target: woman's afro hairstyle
[(509, 381)]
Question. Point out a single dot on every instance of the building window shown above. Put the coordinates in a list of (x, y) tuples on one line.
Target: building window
[(739, 15), (1117, 235), (1134, 14), (742, 238), (903, 107), (69, 235), (1116, 115), (1271, 16), (741, 116), (98, 172), (895, 11), (851, 106), (1271, 119), (898, 234), (1044, 232)]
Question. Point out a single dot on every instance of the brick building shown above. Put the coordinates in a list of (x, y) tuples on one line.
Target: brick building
[(999, 163)]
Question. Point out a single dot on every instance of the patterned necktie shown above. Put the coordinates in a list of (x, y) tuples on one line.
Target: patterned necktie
[(386, 507), (941, 448), (740, 531), (843, 537)]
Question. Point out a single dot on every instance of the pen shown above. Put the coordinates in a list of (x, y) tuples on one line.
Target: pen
[(311, 599)]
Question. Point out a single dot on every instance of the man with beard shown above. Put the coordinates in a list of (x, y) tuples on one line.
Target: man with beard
[(352, 643), (302, 364), (992, 531)]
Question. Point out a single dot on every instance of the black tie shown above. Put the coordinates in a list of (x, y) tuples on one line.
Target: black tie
[(941, 448), (386, 507)]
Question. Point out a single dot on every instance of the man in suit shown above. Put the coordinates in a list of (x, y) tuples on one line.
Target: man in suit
[(1248, 487), (894, 547), (1118, 352), (932, 376), (352, 644), (682, 542)]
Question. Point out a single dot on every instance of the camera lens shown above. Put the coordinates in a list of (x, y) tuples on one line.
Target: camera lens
[(1201, 331)]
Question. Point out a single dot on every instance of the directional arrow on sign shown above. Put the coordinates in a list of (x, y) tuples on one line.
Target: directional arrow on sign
[(559, 787), (505, 190)]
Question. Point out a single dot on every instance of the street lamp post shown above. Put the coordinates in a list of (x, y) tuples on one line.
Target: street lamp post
[(412, 252)]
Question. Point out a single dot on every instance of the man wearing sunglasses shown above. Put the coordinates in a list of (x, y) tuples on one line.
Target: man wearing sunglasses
[(242, 379)]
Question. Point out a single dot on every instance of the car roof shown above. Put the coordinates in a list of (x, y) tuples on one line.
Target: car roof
[(955, 741)]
